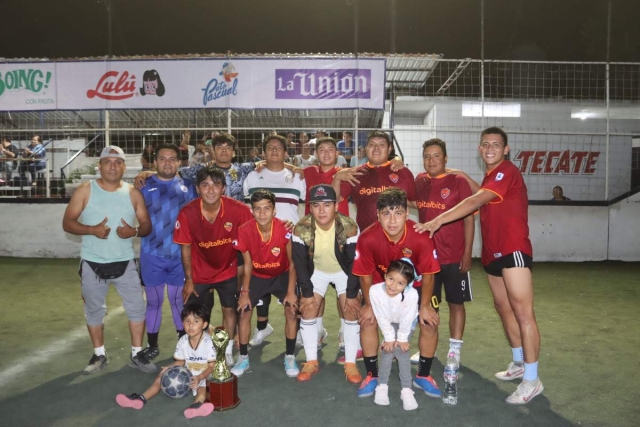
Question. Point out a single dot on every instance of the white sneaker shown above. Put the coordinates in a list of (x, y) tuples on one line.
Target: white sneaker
[(382, 395), (415, 359), (241, 366), (259, 336), (228, 358), (291, 366), (321, 337), (526, 391), (409, 402), (514, 371)]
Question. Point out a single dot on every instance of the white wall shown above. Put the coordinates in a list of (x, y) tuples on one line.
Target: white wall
[(624, 229)]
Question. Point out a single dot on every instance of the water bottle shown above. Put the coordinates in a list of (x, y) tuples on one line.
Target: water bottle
[(450, 395)]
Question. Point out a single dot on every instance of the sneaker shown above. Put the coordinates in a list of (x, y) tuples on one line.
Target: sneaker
[(321, 337), (359, 358), (308, 370), (200, 409), (382, 395), (409, 402), (291, 366), (352, 374), (241, 366), (368, 386), (259, 336), (526, 391), (415, 359), (514, 371), (228, 358), (151, 352), (141, 362), (95, 364), (135, 401), (428, 385)]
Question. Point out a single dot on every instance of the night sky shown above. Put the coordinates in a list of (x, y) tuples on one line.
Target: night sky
[(569, 30)]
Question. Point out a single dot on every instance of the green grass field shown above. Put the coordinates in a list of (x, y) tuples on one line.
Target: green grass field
[(588, 363)]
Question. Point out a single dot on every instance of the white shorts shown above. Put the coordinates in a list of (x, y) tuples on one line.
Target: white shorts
[(322, 280)]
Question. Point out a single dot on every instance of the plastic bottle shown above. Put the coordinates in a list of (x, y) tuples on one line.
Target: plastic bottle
[(450, 395)]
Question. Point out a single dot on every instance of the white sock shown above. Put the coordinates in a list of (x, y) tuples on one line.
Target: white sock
[(309, 334), (100, 351), (319, 325), (530, 371), (135, 350), (342, 326), (518, 355), (229, 349), (351, 340)]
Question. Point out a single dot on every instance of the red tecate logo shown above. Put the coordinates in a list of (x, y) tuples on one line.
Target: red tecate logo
[(114, 86)]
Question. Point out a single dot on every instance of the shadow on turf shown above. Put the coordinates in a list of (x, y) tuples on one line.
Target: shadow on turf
[(272, 399)]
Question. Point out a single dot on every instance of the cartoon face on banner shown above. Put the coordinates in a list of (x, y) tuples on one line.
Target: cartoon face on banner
[(151, 84)]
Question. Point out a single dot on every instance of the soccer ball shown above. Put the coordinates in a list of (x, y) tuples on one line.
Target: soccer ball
[(175, 382)]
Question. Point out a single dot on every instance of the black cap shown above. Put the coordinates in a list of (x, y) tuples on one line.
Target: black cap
[(322, 193)]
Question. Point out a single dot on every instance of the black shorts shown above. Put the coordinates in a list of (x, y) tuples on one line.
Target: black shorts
[(515, 259), (227, 291), (457, 285), (240, 259), (262, 289), (435, 302)]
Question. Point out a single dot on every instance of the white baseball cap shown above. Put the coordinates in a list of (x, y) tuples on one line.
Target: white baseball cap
[(107, 152)]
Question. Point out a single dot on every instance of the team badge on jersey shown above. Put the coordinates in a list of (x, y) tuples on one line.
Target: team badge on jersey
[(184, 188), (177, 225), (435, 254), (235, 243), (406, 252), (288, 179), (357, 255), (394, 178), (444, 193), (499, 176), (275, 251), (228, 226)]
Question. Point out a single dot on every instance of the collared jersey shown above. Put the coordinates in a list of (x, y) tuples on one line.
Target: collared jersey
[(438, 195), (315, 176), (213, 258), (288, 188), (373, 181), (505, 221), (375, 251), (269, 259)]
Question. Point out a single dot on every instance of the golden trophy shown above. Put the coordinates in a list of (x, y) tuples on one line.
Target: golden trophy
[(223, 385)]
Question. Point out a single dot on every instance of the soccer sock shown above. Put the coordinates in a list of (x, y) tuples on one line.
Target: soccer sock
[(135, 350), (518, 355), (351, 340), (229, 349), (309, 334), (371, 365), (152, 338), (530, 371), (319, 325), (181, 333), (244, 349), (262, 324), (424, 368), (100, 351), (291, 346), (342, 323)]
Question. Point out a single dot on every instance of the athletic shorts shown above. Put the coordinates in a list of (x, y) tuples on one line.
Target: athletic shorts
[(435, 302), (227, 293), (515, 259), (157, 271), (321, 282), (457, 285), (260, 288), (240, 259)]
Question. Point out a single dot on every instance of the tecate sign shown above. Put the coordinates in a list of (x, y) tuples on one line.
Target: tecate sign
[(351, 83)]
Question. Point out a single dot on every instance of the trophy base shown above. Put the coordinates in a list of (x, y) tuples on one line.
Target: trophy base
[(224, 395)]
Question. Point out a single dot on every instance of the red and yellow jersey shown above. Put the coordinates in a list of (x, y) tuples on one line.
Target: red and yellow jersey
[(269, 259), (315, 176)]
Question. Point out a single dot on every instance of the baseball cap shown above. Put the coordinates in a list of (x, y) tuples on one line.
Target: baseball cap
[(322, 193), (107, 152)]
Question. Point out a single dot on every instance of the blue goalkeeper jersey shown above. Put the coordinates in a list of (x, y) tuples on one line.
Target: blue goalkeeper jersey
[(164, 199)]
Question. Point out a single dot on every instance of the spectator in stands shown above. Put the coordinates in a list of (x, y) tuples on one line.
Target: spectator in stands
[(185, 148), (293, 148), (201, 156), (346, 146), (342, 162), (361, 159), (254, 155), (320, 133), (305, 159), (9, 152), (147, 158), (35, 154), (558, 195)]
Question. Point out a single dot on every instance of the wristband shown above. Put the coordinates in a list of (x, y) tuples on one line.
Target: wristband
[(136, 232), (242, 291)]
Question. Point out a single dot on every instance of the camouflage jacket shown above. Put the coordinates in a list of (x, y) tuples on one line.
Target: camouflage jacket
[(303, 249)]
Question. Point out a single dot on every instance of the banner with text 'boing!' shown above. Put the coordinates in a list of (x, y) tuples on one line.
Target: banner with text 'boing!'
[(194, 83)]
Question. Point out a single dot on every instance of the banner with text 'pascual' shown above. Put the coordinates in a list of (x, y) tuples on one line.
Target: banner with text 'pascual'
[(194, 83)]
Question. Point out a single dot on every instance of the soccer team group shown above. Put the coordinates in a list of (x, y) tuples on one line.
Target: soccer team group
[(199, 236)]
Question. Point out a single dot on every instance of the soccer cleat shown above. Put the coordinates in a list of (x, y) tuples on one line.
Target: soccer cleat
[(259, 336), (291, 366), (321, 337), (352, 374), (309, 369), (382, 395), (241, 366), (514, 371), (428, 385), (134, 401), (368, 386), (525, 392), (359, 358), (140, 361), (409, 402), (151, 352), (415, 359), (200, 409), (95, 364)]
